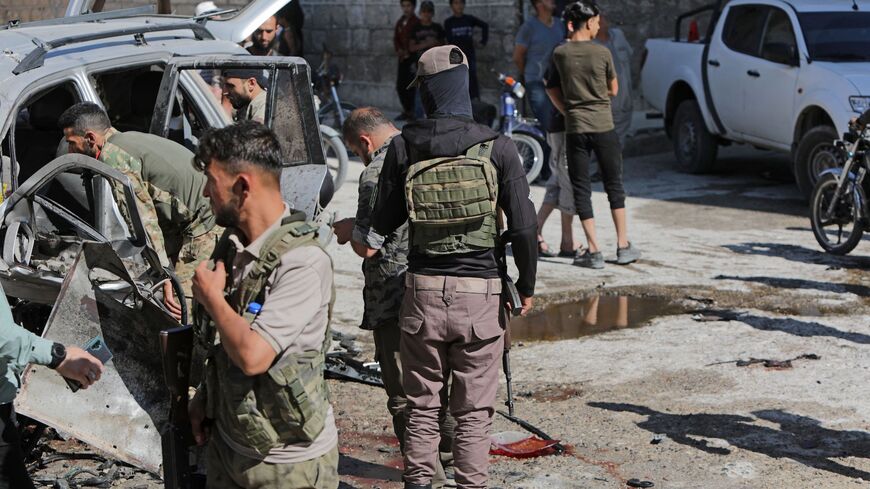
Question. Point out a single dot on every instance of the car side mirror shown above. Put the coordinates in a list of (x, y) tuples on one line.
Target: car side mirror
[(780, 52)]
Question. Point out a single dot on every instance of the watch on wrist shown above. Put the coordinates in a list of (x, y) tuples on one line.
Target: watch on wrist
[(58, 355)]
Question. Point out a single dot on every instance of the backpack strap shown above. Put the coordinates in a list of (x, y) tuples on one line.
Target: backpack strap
[(481, 151)]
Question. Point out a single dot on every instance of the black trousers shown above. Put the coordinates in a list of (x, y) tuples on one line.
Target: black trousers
[(605, 145), (13, 473), (404, 77)]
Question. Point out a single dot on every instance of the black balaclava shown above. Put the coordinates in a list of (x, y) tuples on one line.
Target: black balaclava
[(446, 93)]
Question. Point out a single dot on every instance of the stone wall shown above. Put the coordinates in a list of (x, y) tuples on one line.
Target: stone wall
[(360, 33)]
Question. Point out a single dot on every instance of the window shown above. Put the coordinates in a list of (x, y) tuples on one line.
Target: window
[(743, 28), (840, 37), (779, 43), (130, 95), (37, 138)]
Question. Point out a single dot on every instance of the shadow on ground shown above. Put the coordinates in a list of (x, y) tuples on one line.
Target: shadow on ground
[(804, 329), (799, 438), (794, 283), (801, 254)]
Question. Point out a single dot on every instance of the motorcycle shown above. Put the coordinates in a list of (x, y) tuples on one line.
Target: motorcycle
[(839, 211), (528, 137), (334, 112), (325, 83)]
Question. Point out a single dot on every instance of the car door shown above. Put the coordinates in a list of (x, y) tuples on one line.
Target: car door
[(69, 201), (289, 112), (770, 84), (69, 246), (735, 45)]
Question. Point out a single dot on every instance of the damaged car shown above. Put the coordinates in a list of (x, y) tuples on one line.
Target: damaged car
[(75, 262)]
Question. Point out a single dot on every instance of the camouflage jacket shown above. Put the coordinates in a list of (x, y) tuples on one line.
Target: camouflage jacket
[(385, 272), (170, 215)]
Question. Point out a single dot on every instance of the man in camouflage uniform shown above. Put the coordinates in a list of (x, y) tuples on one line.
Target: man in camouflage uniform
[(263, 311), (368, 133), (246, 89), (168, 190)]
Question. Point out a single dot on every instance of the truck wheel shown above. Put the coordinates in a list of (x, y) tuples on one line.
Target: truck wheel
[(694, 147), (815, 153)]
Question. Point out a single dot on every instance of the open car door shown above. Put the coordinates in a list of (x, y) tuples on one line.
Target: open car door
[(289, 112), (71, 200), (238, 26), (67, 243)]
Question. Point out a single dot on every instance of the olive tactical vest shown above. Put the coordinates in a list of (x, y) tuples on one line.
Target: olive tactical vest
[(287, 404), (452, 202)]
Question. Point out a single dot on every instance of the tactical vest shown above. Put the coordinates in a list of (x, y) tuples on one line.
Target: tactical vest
[(452, 202), (287, 404)]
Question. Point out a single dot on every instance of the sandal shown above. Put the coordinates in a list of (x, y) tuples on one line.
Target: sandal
[(546, 253)]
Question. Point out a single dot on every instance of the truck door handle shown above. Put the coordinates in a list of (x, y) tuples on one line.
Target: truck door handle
[(713, 62), (753, 73)]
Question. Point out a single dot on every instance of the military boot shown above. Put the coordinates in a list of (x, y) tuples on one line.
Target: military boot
[(408, 485)]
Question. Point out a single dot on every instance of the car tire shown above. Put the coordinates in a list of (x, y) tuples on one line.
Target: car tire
[(815, 153), (694, 147)]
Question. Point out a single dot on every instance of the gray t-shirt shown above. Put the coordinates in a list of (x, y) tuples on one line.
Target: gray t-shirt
[(539, 39), (621, 52), (585, 70)]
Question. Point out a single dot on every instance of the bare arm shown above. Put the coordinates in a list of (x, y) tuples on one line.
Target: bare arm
[(245, 347), (614, 88), (520, 58), (556, 98)]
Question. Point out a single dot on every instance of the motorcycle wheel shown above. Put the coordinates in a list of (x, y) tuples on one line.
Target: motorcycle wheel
[(531, 154), (839, 233), (329, 115), (336, 155)]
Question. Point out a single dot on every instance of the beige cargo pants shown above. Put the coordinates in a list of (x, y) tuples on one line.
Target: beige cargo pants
[(450, 324)]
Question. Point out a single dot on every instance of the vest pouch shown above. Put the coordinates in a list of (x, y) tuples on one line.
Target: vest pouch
[(238, 416), (298, 401)]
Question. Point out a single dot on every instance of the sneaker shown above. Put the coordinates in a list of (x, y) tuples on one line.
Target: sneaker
[(590, 260), (627, 255)]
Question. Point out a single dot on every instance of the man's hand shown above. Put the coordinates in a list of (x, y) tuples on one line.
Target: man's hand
[(80, 366), (169, 301), (208, 285), (343, 230), (527, 304), (198, 425)]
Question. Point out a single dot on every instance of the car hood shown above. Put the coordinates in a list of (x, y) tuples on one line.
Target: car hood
[(858, 74)]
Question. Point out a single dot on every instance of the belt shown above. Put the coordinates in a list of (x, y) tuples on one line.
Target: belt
[(467, 285)]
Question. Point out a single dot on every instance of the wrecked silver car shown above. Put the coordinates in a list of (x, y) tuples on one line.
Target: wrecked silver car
[(74, 263)]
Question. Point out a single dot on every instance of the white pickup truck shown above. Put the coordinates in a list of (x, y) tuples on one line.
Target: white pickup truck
[(785, 75)]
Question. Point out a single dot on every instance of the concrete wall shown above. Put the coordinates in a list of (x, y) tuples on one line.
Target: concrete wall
[(360, 32)]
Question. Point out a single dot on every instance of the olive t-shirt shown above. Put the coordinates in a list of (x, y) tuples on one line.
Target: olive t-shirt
[(584, 71)]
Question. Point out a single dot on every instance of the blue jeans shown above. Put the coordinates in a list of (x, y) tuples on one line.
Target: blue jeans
[(540, 102)]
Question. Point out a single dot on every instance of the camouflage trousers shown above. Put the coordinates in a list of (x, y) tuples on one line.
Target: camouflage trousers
[(228, 470), (193, 251)]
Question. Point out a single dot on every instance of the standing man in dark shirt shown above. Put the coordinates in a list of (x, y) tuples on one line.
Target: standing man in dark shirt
[(460, 32), (452, 315), (401, 40)]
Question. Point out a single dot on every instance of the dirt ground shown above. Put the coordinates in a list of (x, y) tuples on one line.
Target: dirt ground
[(649, 386), (732, 261)]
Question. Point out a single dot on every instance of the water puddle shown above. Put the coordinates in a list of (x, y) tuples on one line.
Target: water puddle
[(590, 316)]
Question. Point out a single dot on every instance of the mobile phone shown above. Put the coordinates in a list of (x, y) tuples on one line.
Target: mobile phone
[(96, 347)]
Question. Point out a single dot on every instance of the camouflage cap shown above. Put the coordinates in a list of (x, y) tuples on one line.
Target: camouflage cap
[(438, 59)]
